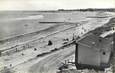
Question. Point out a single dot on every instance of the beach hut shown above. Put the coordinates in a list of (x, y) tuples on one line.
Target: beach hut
[(93, 52)]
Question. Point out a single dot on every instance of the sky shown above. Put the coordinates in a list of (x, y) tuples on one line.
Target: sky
[(54, 4)]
